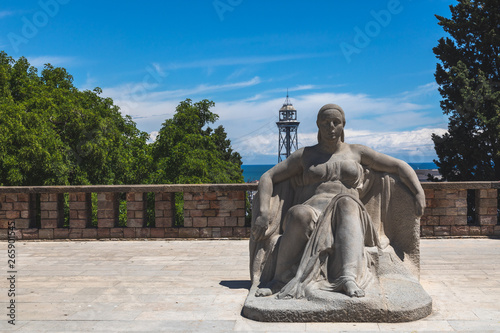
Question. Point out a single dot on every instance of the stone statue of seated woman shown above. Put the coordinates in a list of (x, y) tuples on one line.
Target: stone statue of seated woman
[(335, 227)]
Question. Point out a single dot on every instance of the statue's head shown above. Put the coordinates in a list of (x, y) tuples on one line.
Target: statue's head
[(330, 107)]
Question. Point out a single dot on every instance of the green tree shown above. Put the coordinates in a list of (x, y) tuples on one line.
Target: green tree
[(469, 79), (53, 134), (188, 151)]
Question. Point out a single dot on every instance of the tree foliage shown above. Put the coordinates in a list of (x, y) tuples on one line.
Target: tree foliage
[(469, 79), (188, 151), (53, 134)]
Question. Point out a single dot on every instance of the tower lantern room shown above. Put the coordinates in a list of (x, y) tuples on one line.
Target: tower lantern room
[(287, 126)]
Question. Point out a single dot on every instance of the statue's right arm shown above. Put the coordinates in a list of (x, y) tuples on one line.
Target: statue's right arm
[(280, 172)]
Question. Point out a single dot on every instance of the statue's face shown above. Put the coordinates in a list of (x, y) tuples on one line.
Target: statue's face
[(330, 125)]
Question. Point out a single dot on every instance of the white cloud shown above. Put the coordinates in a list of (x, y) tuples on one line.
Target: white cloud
[(260, 144), (413, 143), (400, 125), (237, 73), (425, 89), (153, 135), (242, 60), (393, 125), (413, 146), (142, 98), (53, 60), (362, 111), (204, 88)]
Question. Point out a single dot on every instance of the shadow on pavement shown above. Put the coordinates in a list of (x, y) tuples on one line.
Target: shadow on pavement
[(236, 284)]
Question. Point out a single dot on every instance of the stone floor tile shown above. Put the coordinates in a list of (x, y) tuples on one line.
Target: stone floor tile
[(55, 298), (417, 326), (199, 286), (451, 312), (487, 314), (246, 325), (169, 315), (6, 327), (342, 327), (91, 314), (58, 326), (172, 325), (476, 326)]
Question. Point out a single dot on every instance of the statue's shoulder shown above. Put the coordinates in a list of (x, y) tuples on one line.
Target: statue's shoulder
[(303, 152), (356, 147), (310, 150), (298, 153), (364, 155), (362, 151)]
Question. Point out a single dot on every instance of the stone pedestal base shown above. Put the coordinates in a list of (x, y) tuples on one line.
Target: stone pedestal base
[(394, 301), (394, 296)]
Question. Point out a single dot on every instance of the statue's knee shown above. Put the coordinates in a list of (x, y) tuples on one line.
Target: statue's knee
[(347, 206), (300, 217)]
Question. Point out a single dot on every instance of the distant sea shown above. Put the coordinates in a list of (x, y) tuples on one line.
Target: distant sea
[(253, 172)]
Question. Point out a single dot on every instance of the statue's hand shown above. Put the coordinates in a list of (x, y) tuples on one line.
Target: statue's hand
[(259, 228), (420, 203)]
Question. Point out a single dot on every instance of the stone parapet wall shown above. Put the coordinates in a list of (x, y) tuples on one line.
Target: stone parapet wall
[(214, 209), (446, 213), (210, 211)]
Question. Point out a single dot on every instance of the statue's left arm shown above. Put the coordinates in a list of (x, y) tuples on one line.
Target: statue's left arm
[(384, 163)]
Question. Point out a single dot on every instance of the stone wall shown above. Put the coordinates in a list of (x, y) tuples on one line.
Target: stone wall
[(447, 209), (214, 214), (210, 211)]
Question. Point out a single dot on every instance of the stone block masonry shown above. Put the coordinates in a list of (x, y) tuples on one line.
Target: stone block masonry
[(51, 210), (447, 209), (15, 207), (80, 210), (107, 210), (136, 209), (210, 211), (164, 209)]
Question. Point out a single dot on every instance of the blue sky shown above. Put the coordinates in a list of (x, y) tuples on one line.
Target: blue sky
[(374, 58)]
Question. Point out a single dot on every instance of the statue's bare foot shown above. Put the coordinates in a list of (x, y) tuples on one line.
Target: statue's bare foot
[(263, 292), (271, 288), (352, 289)]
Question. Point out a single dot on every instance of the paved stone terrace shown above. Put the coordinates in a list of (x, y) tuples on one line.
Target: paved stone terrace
[(200, 286)]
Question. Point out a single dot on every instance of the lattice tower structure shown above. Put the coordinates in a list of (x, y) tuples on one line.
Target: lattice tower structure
[(287, 126)]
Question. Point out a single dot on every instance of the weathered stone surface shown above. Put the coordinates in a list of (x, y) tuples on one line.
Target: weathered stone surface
[(390, 298), (142, 232), (46, 233), (335, 238), (157, 232), (30, 233)]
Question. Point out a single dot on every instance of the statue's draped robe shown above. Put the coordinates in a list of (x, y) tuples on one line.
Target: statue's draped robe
[(388, 223)]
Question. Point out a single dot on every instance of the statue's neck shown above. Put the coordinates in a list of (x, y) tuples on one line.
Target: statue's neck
[(330, 147)]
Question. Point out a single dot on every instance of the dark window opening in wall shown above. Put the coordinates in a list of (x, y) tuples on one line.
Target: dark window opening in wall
[(122, 209), (498, 207), (179, 209), (93, 210), (35, 211), (65, 210), (471, 207), (150, 209)]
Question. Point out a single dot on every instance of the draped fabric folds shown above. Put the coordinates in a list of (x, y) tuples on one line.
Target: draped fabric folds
[(315, 268)]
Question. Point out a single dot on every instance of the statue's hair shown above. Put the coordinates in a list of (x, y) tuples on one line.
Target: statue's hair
[(331, 107)]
